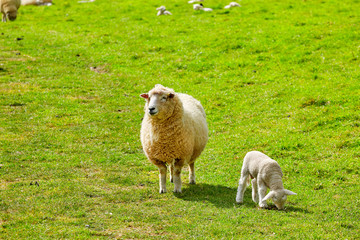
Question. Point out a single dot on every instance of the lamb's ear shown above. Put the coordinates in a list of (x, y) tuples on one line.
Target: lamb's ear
[(269, 195), (144, 95), (288, 192), (171, 95)]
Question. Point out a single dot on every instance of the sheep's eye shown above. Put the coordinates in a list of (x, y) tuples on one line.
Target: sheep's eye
[(163, 99)]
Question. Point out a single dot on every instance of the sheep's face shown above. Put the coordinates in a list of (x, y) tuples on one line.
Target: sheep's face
[(159, 104), (11, 14), (279, 199)]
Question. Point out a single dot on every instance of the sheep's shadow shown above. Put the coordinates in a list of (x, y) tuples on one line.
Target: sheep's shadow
[(219, 196)]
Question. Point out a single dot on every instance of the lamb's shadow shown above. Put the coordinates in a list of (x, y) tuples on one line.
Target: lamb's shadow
[(224, 197), (219, 196)]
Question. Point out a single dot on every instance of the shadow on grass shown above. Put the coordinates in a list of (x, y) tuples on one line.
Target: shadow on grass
[(219, 196), (224, 197)]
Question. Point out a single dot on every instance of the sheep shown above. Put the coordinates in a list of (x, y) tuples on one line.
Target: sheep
[(232, 4), (265, 173), (173, 133), (201, 7), (198, 6), (36, 2), (9, 9), (162, 11), (194, 1)]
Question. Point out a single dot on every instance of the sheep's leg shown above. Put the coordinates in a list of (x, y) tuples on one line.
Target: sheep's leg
[(262, 194), (255, 196), (4, 17), (192, 173), (172, 172), (242, 187), (177, 175), (162, 174)]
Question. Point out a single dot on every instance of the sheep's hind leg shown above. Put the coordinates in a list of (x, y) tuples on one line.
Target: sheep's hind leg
[(241, 188), (192, 173), (172, 172), (177, 175)]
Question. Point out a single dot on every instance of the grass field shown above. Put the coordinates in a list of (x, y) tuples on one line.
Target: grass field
[(281, 77)]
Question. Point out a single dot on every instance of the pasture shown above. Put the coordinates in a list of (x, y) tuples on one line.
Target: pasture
[(281, 77)]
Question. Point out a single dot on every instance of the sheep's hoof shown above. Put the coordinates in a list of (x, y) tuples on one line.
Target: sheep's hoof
[(177, 191), (192, 182), (162, 191)]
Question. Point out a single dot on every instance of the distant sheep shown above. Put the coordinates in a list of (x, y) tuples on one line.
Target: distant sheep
[(265, 173), (232, 4), (37, 2), (9, 9), (173, 133), (194, 1), (201, 7), (162, 11)]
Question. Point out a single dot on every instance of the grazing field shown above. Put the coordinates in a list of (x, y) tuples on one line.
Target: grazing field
[(281, 77)]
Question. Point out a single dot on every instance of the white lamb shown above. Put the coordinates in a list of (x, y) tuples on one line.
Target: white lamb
[(162, 11), (173, 133), (201, 7), (232, 4), (9, 9), (194, 1), (265, 173)]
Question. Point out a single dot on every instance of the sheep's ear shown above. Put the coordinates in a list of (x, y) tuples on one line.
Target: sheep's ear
[(144, 95), (288, 192), (269, 195), (171, 95)]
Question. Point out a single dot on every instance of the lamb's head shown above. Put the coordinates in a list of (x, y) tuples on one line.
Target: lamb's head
[(11, 13), (161, 9), (279, 197), (160, 102)]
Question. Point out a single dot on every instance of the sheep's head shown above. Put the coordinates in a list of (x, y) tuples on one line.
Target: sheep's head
[(162, 9), (159, 102), (11, 13), (279, 197)]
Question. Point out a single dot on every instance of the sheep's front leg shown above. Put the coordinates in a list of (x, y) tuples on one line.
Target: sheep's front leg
[(262, 194), (241, 188), (255, 196), (162, 174), (4, 17), (179, 163), (192, 173)]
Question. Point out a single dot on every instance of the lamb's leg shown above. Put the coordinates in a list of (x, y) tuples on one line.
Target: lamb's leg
[(262, 194), (4, 17), (192, 173), (177, 175), (242, 187), (255, 196)]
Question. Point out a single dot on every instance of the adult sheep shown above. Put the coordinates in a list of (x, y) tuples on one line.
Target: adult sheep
[(173, 133), (9, 9)]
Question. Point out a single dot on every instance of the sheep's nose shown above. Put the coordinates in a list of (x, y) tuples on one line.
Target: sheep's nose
[(152, 110)]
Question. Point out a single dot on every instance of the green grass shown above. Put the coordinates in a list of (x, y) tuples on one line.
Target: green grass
[(280, 77)]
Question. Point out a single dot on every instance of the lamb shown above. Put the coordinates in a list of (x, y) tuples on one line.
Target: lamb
[(173, 133), (201, 7), (162, 11), (265, 173), (194, 1), (232, 4), (9, 9)]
